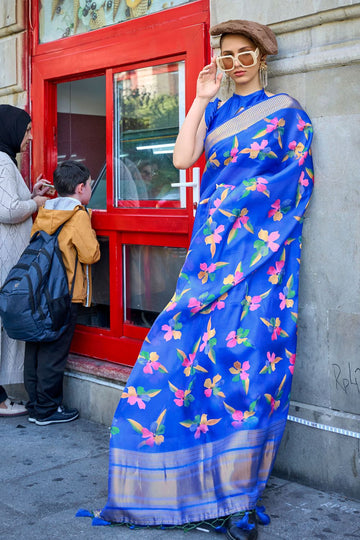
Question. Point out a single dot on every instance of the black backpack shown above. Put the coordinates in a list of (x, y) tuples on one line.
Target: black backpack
[(35, 299)]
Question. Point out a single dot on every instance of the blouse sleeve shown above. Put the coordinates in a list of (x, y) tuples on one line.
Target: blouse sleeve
[(210, 112), (13, 208)]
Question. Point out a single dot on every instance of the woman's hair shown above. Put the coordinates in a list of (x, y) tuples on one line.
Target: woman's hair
[(13, 125), (68, 175)]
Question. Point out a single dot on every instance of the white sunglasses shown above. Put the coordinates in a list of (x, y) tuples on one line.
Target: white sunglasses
[(246, 59)]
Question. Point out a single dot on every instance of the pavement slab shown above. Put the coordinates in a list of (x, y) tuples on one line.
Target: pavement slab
[(48, 472)]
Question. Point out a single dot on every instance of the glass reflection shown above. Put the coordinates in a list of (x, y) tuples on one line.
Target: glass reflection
[(149, 107), (150, 276)]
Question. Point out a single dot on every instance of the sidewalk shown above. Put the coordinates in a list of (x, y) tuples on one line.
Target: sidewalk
[(47, 473)]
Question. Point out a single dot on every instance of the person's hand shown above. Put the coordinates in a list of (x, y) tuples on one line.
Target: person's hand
[(41, 186), (40, 200), (208, 82)]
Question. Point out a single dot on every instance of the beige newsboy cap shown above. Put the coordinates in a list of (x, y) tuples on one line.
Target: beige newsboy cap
[(260, 34)]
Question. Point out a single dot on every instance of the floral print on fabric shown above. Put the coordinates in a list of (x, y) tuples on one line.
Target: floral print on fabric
[(217, 364)]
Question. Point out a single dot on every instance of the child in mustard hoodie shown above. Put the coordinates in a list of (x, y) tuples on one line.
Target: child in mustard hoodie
[(45, 362)]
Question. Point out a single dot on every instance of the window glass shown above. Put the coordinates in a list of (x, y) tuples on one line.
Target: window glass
[(63, 18), (150, 275), (149, 107), (98, 314), (81, 125)]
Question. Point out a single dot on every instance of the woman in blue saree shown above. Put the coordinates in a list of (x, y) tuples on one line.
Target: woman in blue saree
[(199, 423)]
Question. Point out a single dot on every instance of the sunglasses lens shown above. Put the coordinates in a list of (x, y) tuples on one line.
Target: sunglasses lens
[(226, 62), (246, 59)]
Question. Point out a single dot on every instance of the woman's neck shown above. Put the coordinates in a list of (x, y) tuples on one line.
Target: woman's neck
[(247, 89)]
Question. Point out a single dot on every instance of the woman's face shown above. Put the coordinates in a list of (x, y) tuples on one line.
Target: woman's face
[(26, 139), (245, 78)]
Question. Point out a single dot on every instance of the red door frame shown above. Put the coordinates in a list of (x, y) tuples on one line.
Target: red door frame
[(176, 34)]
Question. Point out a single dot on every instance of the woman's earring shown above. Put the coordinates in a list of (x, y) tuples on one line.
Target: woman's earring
[(263, 74)]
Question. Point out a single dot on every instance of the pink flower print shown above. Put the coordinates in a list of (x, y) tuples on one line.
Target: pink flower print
[(298, 149), (269, 239), (301, 125), (261, 184), (150, 366), (276, 332), (214, 238), (275, 208), (303, 181), (218, 303), (240, 369), (255, 303), (146, 434), (168, 334), (231, 339), (276, 213), (188, 363), (303, 157), (200, 429), (180, 395), (216, 234), (255, 148), (171, 331), (283, 301), (195, 304), (238, 418), (245, 367), (272, 126), (242, 219), (205, 271), (275, 272), (206, 338), (234, 279), (234, 154), (271, 360), (292, 363), (217, 203), (133, 398)]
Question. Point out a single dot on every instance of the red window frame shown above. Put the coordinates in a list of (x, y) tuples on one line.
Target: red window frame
[(176, 34)]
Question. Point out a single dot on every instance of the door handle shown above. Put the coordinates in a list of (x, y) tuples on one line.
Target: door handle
[(195, 184)]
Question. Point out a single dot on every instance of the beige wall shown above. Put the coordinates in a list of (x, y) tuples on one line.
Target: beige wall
[(319, 64), (13, 47)]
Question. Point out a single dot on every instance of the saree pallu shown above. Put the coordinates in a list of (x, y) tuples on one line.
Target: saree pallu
[(199, 423)]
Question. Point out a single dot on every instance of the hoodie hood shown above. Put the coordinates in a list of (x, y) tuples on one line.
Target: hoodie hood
[(57, 212)]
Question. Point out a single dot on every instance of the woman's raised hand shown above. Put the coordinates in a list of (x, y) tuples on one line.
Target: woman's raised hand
[(208, 82)]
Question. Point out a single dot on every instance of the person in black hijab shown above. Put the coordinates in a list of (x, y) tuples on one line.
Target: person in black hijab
[(17, 205), (13, 125)]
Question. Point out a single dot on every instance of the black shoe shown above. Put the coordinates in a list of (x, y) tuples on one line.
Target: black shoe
[(242, 528), (58, 417)]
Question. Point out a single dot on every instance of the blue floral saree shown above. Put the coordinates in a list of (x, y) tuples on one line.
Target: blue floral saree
[(199, 423)]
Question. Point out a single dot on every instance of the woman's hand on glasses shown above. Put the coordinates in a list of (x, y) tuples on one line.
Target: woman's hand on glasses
[(208, 82)]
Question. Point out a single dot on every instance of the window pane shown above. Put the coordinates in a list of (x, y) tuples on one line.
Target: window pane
[(149, 107), (98, 314), (81, 126), (150, 276), (63, 18)]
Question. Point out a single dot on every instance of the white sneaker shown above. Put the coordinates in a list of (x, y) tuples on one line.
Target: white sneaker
[(12, 409)]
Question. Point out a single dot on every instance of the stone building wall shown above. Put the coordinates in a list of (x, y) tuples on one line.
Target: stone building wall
[(14, 60), (319, 64)]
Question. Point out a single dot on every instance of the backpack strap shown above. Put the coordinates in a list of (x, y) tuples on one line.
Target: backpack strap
[(56, 233)]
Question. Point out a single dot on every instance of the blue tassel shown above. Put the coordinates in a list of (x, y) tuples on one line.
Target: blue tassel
[(98, 522), (264, 519), (83, 513), (220, 529), (244, 523)]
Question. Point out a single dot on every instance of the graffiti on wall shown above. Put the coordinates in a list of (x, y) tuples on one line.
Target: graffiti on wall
[(62, 18)]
